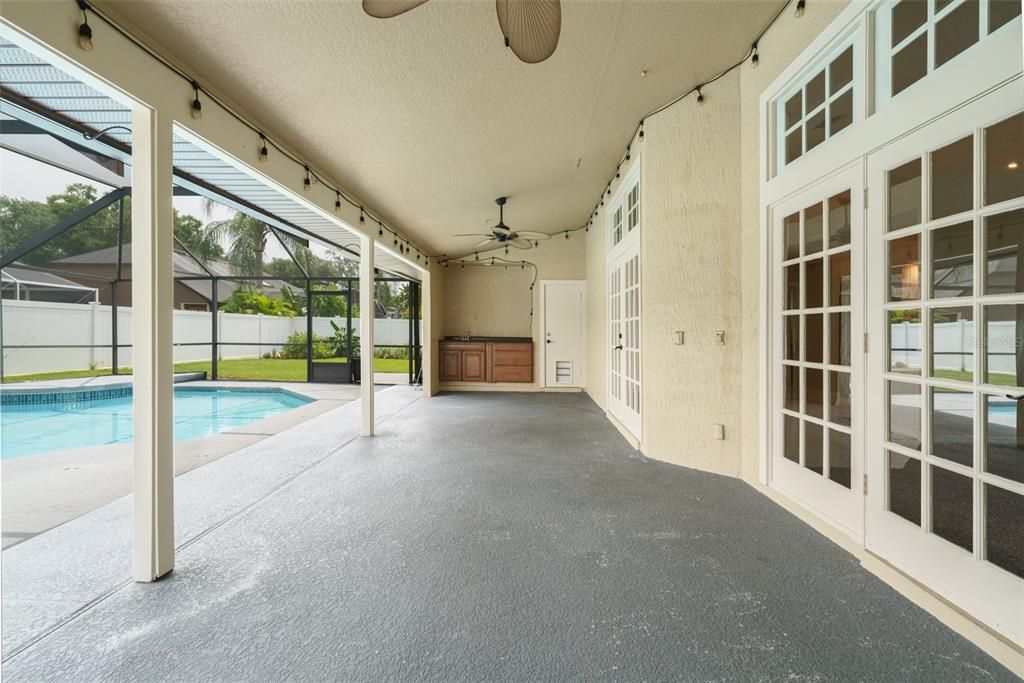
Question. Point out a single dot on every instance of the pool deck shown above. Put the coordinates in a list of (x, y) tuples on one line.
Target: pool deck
[(46, 490)]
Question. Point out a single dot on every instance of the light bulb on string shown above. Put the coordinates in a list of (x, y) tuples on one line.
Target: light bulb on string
[(700, 95), (84, 30), (801, 5), (197, 106), (307, 182), (754, 58), (264, 152), (337, 201)]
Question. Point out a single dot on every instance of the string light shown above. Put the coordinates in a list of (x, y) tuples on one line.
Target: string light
[(754, 58), (307, 182), (337, 201), (380, 228), (627, 152), (362, 219), (566, 234), (197, 106), (641, 131), (264, 152), (801, 5), (84, 30), (700, 95)]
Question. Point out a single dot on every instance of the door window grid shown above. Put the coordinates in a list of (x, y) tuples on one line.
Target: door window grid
[(633, 202), (931, 457), (925, 34), (819, 108), (616, 225), (631, 325), (615, 320), (816, 246)]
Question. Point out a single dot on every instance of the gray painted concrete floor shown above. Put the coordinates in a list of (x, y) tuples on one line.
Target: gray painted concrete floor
[(505, 537)]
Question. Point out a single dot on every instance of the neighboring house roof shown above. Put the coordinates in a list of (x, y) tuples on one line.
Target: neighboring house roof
[(42, 286), (17, 273), (183, 265)]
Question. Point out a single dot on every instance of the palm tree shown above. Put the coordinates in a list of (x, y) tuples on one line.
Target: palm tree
[(247, 242)]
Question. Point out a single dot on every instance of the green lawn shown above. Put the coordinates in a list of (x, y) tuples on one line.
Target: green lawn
[(997, 378), (269, 369)]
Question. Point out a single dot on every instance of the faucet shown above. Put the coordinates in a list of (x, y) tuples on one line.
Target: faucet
[(466, 336)]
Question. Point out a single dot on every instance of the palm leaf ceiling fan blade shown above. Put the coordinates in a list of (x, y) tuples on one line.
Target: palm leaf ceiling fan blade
[(473, 234), (520, 243), (531, 235), (531, 27), (385, 9), (482, 243)]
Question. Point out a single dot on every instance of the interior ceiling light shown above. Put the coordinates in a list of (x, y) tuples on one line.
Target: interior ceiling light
[(84, 30), (530, 27), (501, 234)]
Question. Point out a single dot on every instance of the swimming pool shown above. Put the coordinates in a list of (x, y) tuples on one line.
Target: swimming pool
[(101, 418)]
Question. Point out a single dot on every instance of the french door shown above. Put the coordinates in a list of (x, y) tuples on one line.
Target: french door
[(945, 312), (624, 305), (816, 246)]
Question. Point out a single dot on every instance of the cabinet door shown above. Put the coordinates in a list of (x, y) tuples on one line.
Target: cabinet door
[(451, 366), (472, 366)]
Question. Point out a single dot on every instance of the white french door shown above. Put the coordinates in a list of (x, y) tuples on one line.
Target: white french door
[(945, 315), (817, 258), (624, 305)]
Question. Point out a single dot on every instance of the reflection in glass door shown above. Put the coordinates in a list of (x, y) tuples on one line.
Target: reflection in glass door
[(946, 377), (816, 243)]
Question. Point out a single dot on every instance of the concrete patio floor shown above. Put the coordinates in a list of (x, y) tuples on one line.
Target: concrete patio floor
[(478, 537)]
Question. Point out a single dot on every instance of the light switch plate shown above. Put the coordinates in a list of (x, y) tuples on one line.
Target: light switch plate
[(720, 337), (720, 432), (679, 337)]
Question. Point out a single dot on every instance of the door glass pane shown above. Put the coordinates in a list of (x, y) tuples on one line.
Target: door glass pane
[(905, 195), (956, 32), (1004, 533), (1004, 443), (953, 178), (792, 286), (907, 16), (953, 261), (953, 425), (814, 393), (791, 236), (814, 447), (952, 507), (791, 380), (839, 279), (839, 398), (839, 339), (1000, 12), (815, 92), (905, 341), (1004, 330), (905, 268), (840, 71), (840, 112), (905, 414), (839, 220), (814, 339), (791, 438), (794, 110), (910, 64), (839, 457), (813, 226), (816, 130), (1004, 160), (1004, 234), (792, 340), (814, 271), (905, 487), (953, 343), (794, 145)]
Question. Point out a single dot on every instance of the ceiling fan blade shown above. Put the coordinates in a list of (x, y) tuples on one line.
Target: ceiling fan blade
[(472, 234), (520, 243), (502, 229), (530, 27), (483, 243), (531, 235), (385, 9)]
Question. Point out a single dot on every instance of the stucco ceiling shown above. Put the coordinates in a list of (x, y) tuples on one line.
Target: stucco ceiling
[(428, 118)]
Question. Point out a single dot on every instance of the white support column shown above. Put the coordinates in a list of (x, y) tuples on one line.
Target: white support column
[(367, 310), (152, 345)]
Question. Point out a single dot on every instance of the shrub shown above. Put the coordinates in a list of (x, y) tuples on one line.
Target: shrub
[(296, 346), (242, 301)]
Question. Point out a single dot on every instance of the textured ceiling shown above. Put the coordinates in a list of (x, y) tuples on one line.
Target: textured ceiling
[(427, 117)]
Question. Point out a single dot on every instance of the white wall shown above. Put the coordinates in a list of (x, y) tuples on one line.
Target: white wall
[(38, 322)]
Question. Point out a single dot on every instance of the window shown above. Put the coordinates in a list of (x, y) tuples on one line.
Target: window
[(917, 37), (820, 106)]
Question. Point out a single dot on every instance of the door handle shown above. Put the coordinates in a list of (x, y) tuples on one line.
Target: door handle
[(619, 347), (547, 341)]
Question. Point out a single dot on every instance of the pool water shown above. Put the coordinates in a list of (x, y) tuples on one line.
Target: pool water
[(38, 428)]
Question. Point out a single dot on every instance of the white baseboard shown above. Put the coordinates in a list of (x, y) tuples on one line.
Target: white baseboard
[(505, 386)]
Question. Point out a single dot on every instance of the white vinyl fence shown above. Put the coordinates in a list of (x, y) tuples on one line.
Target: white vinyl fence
[(953, 345), (39, 323)]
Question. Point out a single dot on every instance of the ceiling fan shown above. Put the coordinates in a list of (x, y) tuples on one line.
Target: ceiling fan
[(502, 235), (530, 27)]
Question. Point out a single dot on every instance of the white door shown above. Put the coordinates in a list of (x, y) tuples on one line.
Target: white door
[(817, 356), (563, 333), (945, 366), (624, 304)]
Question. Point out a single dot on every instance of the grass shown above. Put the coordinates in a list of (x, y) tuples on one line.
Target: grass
[(267, 369), (997, 378)]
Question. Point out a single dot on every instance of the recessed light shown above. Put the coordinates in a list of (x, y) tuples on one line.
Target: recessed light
[(1013, 165)]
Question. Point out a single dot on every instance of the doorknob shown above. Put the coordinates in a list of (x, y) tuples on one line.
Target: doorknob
[(547, 341)]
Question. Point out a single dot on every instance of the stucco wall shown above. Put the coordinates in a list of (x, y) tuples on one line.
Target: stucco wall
[(433, 325), (700, 264)]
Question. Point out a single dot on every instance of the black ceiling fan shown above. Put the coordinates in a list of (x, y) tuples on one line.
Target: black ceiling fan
[(502, 235)]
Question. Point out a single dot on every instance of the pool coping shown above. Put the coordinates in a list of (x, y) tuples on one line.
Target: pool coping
[(18, 395)]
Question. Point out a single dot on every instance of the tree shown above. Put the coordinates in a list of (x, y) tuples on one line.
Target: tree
[(247, 241), (196, 238)]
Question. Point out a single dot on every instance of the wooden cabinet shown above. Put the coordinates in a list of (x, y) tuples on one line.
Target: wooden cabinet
[(490, 361)]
